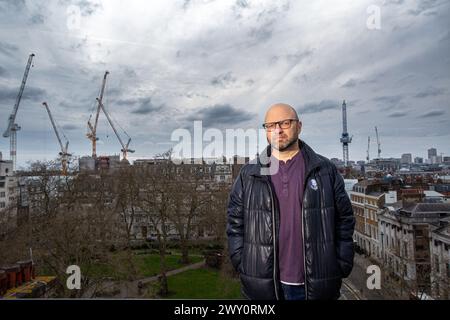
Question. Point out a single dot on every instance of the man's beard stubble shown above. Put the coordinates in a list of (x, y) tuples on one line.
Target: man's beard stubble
[(283, 147)]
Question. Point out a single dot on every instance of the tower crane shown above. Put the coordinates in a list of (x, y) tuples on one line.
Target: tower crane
[(345, 138), (92, 134), (378, 143), (13, 127), (125, 148), (64, 148)]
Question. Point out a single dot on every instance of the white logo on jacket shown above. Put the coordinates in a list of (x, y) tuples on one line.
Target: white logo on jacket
[(313, 184)]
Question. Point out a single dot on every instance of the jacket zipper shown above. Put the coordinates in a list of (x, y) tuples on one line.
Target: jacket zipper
[(303, 232), (274, 244), (303, 239)]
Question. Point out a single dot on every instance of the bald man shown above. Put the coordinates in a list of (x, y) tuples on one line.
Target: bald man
[(290, 231)]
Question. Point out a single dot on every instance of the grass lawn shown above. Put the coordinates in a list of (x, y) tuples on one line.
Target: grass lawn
[(203, 283), (146, 265)]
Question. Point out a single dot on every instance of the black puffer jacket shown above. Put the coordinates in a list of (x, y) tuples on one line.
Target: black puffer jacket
[(253, 224)]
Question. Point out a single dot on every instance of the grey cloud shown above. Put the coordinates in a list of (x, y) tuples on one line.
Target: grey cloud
[(8, 49), (446, 37), (223, 80), (186, 4), (141, 105), (79, 44), (37, 19), (352, 82), (274, 59), (3, 72), (388, 99), (430, 92), (221, 114), (77, 105), (299, 56), (12, 4), (393, 2), (250, 82), (263, 32), (70, 127), (242, 3), (87, 7), (423, 6), (397, 114), (267, 19), (315, 107), (30, 93), (432, 114), (129, 72)]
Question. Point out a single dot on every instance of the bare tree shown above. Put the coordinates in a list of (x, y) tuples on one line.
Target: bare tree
[(71, 222), (157, 186), (190, 198), (125, 188)]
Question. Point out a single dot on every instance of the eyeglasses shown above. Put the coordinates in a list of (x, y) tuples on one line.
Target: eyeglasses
[(283, 124)]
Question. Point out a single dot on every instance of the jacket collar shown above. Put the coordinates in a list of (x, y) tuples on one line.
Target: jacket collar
[(312, 159)]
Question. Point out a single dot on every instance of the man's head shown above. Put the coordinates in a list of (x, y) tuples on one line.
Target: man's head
[(282, 126)]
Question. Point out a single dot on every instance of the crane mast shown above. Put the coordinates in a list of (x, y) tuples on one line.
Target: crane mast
[(125, 148), (368, 149), (64, 148), (13, 127), (92, 135), (378, 143), (345, 138)]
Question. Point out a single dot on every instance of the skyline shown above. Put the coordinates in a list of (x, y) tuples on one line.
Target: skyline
[(225, 62)]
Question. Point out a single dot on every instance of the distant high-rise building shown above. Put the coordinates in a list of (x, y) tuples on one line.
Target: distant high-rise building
[(406, 158), (432, 153), (418, 160)]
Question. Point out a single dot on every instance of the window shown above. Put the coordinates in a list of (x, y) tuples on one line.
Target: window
[(436, 263), (2, 194), (2, 205)]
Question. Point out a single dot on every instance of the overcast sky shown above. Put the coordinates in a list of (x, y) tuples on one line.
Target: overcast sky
[(224, 62)]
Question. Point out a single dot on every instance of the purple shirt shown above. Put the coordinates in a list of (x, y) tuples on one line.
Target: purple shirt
[(288, 183)]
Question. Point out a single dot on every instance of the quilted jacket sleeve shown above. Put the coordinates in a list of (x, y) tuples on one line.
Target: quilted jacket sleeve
[(235, 221), (345, 225)]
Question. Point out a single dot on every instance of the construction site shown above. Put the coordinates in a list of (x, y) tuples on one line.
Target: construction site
[(93, 162)]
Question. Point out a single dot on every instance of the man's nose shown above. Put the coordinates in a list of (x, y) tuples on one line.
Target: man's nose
[(278, 129)]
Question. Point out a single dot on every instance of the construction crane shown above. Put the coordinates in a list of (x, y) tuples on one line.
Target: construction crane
[(92, 135), (124, 149), (345, 138), (378, 143), (13, 127), (368, 149), (64, 148)]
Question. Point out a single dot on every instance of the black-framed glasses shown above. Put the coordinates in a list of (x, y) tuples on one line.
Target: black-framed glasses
[(283, 124)]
